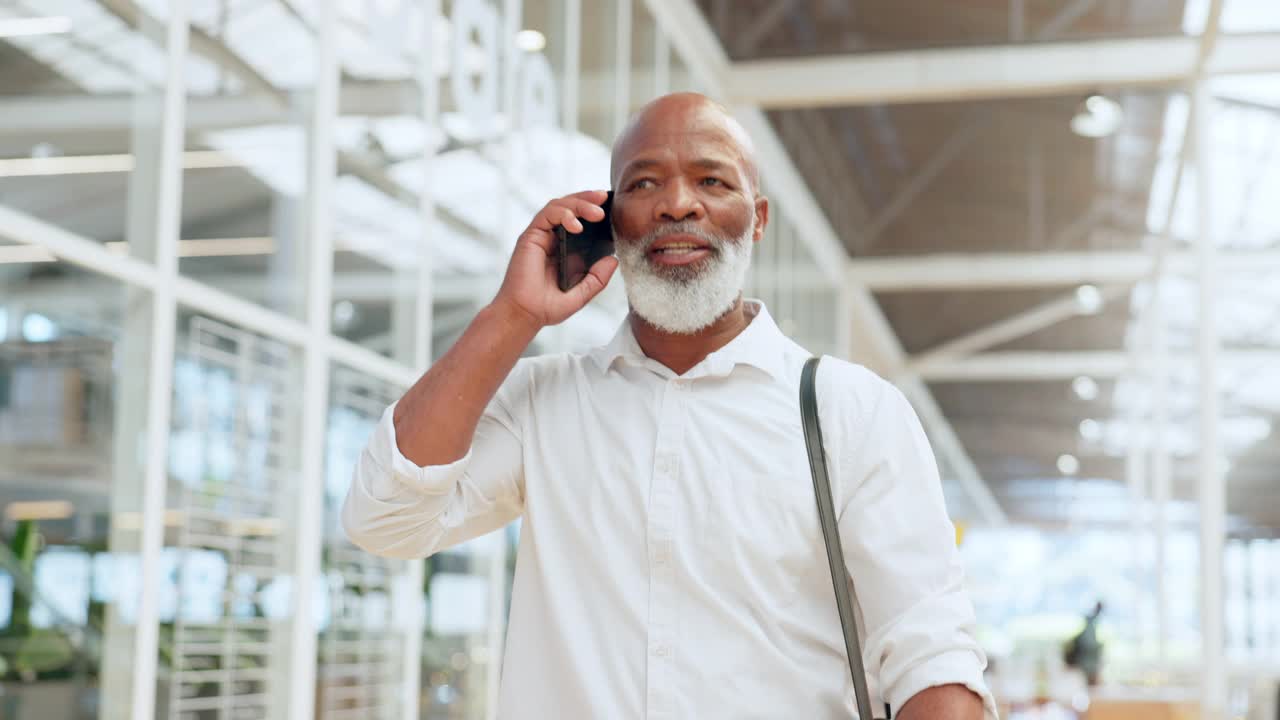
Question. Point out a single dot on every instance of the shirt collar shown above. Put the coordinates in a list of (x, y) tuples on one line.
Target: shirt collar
[(760, 345)]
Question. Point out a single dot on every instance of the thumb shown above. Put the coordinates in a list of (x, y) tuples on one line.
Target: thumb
[(595, 281)]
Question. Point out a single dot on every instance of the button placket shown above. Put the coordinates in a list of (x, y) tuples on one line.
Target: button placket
[(661, 527)]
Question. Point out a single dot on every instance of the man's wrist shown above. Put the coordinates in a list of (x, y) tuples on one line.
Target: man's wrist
[(513, 318)]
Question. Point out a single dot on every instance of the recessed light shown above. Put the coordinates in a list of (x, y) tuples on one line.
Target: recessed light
[(344, 314), (1098, 116), (531, 40), (1085, 387), (1089, 300), (1068, 464), (1091, 430)]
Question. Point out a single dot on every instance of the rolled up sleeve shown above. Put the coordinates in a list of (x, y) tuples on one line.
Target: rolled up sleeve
[(398, 509), (918, 624)]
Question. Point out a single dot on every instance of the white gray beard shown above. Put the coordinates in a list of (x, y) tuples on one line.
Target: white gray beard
[(675, 301)]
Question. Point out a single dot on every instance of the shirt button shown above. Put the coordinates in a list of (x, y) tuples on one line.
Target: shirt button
[(661, 651)]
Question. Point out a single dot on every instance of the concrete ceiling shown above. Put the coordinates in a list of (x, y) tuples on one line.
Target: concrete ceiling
[(987, 176)]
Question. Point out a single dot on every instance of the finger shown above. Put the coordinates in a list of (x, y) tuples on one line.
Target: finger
[(555, 210), (539, 233), (593, 196), (583, 208), (563, 216)]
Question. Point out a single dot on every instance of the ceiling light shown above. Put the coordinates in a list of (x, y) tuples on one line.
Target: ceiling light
[(211, 247), (202, 247), (1089, 300), (93, 164), (531, 41), (344, 314), (27, 27), (254, 526), (1091, 430), (1068, 464), (133, 520), (44, 149), (39, 510), (1098, 116), (37, 328), (1085, 387), (24, 254)]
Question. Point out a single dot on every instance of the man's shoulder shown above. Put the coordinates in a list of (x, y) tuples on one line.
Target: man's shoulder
[(850, 392), (547, 370), (845, 377)]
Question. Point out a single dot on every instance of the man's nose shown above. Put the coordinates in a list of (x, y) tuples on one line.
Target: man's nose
[(679, 204)]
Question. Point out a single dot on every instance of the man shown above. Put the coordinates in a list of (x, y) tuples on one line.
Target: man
[(671, 561)]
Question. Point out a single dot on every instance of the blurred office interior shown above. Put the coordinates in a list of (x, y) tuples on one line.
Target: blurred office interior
[(233, 231)]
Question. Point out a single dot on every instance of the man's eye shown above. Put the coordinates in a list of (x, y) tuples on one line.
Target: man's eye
[(642, 184), (710, 181)]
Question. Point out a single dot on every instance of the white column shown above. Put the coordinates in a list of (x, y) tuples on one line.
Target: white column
[(1139, 458), (1161, 463), (569, 110), (309, 508), (1212, 486), (622, 64), (131, 391), (429, 88), (160, 363), (497, 557), (661, 62), (1135, 469), (572, 66)]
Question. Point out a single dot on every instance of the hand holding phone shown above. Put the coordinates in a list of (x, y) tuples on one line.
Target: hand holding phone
[(532, 285), (577, 252)]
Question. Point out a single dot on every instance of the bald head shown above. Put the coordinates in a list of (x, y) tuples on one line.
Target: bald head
[(684, 118)]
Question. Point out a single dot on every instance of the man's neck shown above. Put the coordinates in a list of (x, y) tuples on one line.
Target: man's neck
[(680, 352)]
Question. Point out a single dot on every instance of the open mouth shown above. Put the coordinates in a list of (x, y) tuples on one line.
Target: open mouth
[(678, 249), (678, 252)]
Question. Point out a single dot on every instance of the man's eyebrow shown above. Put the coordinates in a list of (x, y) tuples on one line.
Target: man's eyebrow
[(641, 164), (711, 164)]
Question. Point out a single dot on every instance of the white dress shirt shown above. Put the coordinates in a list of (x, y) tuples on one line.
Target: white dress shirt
[(671, 562)]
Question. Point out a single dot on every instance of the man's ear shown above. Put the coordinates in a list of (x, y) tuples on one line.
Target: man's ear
[(762, 217)]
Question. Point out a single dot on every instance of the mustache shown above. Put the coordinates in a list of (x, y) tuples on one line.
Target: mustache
[(681, 228)]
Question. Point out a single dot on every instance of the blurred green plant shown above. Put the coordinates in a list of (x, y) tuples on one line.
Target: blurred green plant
[(27, 651)]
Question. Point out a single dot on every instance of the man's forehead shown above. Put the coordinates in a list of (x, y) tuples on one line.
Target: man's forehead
[(679, 144), (689, 128), (703, 122)]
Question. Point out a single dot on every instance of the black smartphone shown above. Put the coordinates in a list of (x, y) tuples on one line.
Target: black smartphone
[(577, 252)]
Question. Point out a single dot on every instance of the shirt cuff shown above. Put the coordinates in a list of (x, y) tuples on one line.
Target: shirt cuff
[(953, 667), (401, 473)]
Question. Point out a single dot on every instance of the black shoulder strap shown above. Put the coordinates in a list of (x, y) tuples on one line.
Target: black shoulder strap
[(830, 533)]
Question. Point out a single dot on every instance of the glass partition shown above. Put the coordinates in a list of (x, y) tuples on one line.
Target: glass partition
[(228, 576), (250, 69), (70, 487)]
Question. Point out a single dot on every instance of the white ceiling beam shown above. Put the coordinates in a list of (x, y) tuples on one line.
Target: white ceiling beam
[(691, 35), (990, 71), (1011, 328), (81, 112), (1034, 366), (1005, 271)]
